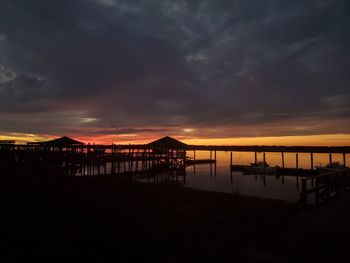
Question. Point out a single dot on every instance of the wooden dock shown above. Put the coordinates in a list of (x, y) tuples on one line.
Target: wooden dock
[(278, 171), (72, 158), (324, 186), (200, 161)]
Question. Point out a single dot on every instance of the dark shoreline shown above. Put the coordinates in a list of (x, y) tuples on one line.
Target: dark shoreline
[(98, 218)]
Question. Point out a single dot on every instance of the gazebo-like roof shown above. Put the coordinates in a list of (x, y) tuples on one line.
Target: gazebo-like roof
[(168, 143), (62, 142)]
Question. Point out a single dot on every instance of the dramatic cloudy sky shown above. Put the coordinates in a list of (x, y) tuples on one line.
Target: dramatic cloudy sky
[(123, 69)]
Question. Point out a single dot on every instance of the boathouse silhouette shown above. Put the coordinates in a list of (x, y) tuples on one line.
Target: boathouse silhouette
[(168, 152), (59, 144)]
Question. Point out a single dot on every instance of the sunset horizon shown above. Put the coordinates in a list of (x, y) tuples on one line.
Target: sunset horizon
[(306, 140), (175, 130)]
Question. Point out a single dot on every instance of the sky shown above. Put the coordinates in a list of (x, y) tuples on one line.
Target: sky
[(209, 72)]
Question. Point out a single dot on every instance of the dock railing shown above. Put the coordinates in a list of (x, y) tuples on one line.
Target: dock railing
[(324, 186)]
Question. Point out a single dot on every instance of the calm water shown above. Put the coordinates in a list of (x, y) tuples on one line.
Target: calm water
[(219, 178), (287, 188)]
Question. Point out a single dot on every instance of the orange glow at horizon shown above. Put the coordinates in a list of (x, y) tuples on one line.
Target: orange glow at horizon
[(311, 140), (23, 138)]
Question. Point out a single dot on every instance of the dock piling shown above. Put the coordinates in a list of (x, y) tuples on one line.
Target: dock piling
[(256, 157), (297, 161), (303, 191)]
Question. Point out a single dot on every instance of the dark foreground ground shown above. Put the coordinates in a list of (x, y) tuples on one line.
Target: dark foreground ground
[(104, 219)]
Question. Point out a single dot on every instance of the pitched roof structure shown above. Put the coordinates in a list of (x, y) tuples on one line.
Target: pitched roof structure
[(168, 142), (62, 142)]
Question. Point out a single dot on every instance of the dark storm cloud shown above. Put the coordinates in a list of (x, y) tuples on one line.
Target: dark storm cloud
[(18, 92), (116, 63)]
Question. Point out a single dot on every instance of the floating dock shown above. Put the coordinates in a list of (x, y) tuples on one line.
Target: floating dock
[(276, 171), (200, 161)]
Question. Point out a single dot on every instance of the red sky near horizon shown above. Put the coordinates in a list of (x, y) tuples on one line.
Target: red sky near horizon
[(312, 140)]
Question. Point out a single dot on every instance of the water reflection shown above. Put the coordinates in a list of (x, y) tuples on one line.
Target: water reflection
[(272, 158), (219, 178), (266, 186)]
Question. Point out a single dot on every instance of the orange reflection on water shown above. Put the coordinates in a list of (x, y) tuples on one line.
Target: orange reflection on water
[(245, 158)]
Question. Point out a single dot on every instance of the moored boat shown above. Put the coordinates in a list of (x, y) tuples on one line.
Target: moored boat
[(261, 167), (332, 167)]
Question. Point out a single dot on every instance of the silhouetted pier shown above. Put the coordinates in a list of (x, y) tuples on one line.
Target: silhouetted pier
[(69, 157), (164, 160), (69, 153)]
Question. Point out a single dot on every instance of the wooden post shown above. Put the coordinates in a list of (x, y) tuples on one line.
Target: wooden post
[(344, 159), (194, 155), (297, 182), (336, 188), (328, 188), (283, 159), (317, 191), (256, 157), (215, 168), (215, 155), (312, 160), (264, 157), (231, 160), (303, 192), (211, 154), (297, 161), (330, 158)]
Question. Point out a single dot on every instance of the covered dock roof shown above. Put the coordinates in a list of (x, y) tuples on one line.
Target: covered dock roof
[(60, 142), (168, 143)]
